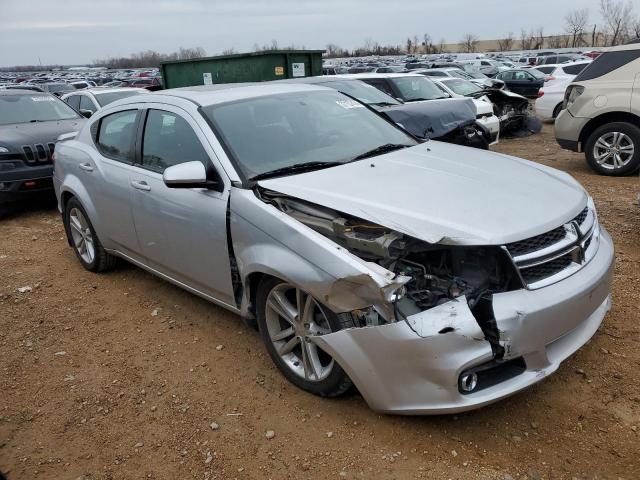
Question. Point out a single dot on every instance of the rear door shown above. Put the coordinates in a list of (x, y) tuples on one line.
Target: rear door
[(181, 231), (115, 139)]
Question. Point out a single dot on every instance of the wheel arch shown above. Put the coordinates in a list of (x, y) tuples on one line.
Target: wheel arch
[(603, 119)]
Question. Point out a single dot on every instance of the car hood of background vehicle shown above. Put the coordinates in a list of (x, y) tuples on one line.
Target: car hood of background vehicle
[(440, 192), (433, 118), (19, 134)]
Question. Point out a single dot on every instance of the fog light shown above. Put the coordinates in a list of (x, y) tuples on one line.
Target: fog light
[(468, 382)]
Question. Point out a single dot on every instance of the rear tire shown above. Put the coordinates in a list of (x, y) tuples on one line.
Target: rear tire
[(287, 317), (614, 149), (84, 240)]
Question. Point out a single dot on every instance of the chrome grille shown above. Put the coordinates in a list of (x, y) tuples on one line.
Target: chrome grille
[(552, 256)]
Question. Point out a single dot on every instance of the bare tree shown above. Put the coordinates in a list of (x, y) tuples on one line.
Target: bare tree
[(469, 43), (229, 51), (506, 44), (441, 46), (635, 28), (617, 16), (525, 40), (556, 41), (409, 44), (575, 23)]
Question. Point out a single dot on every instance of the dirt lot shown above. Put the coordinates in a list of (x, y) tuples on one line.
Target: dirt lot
[(120, 375)]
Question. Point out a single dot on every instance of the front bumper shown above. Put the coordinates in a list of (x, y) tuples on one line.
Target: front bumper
[(413, 367), (492, 124), (567, 129), (25, 181)]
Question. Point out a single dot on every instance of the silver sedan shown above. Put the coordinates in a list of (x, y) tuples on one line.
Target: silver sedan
[(433, 277)]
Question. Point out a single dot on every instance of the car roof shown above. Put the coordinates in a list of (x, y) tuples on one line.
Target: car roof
[(205, 95), (23, 91), (358, 76)]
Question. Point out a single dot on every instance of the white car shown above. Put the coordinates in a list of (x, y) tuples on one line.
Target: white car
[(563, 72), (459, 88), (549, 103), (90, 100), (478, 78)]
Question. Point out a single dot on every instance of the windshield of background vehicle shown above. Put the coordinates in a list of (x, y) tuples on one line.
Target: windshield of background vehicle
[(362, 91), (33, 108), (277, 131), (106, 98), (417, 88), (461, 87)]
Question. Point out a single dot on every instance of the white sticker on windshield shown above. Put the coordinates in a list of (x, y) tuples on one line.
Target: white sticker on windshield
[(43, 99), (349, 104), (415, 85)]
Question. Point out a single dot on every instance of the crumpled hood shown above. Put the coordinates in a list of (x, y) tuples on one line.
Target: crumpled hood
[(432, 118), (17, 135), (440, 192)]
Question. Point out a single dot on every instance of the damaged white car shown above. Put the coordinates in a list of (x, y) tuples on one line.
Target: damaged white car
[(433, 277)]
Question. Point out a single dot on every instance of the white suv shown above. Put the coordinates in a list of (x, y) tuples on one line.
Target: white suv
[(601, 115)]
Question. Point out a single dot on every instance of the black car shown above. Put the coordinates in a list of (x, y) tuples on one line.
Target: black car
[(523, 82), (30, 123), (444, 120)]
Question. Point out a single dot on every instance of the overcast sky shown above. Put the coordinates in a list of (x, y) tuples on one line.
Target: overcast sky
[(79, 31)]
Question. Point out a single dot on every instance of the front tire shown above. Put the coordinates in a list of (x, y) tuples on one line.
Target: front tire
[(614, 149), (84, 240), (287, 319)]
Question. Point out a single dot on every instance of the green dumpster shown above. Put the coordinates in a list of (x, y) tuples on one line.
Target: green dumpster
[(242, 67)]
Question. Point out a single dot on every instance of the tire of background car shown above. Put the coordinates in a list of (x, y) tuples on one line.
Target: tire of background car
[(84, 240), (556, 111), (627, 137), (321, 375)]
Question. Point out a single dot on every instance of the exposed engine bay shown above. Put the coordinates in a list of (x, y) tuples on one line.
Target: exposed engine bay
[(513, 111), (439, 273)]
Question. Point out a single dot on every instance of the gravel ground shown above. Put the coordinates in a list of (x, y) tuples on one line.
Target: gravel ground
[(124, 376)]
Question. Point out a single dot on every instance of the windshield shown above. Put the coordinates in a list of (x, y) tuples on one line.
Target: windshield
[(461, 87), (33, 108), (362, 91), (108, 97), (413, 89), (58, 87), (279, 131), (460, 74)]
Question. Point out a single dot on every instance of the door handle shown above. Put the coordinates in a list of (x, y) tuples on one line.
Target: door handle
[(86, 167), (141, 185)]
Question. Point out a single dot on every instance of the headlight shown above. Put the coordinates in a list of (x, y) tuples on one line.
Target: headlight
[(4, 150), (571, 95)]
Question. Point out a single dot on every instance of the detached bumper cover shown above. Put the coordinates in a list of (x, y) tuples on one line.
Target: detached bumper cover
[(413, 367)]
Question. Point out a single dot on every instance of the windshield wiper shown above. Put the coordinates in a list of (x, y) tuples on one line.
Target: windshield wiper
[(386, 148), (297, 168)]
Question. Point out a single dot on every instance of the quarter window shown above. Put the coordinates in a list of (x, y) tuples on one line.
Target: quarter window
[(116, 134), (169, 140), (73, 101)]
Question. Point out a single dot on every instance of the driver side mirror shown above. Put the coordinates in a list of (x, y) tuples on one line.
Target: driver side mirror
[(86, 113), (188, 175)]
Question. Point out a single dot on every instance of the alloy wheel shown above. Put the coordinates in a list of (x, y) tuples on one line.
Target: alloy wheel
[(293, 317), (613, 150), (82, 236)]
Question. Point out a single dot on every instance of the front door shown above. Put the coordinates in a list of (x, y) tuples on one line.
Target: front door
[(182, 232)]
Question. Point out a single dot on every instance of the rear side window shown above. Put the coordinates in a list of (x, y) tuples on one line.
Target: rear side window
[(116, 134), (606, 63), (87, 104), (169, 140), (546, 70), (574, 69)]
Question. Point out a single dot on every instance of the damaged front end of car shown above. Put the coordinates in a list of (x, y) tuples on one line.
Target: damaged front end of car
[(513, 112), (438, 326)]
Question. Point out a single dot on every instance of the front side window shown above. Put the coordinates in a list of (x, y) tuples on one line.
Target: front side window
[(73, 101), (169, 140), (414, 89), (33, 107), (279, 131), (116, 134), (363, 91), (87, 104)]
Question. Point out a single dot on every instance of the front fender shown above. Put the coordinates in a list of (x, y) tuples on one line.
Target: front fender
[(266, 240)]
